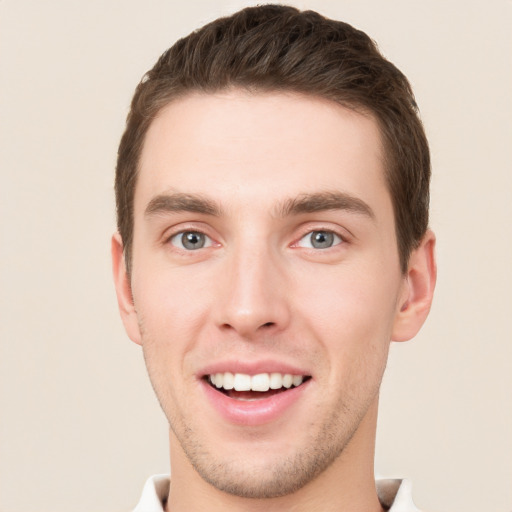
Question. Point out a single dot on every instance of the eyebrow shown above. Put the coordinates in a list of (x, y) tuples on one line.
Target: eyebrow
[(180, 202), (304, 203), (324, 201)]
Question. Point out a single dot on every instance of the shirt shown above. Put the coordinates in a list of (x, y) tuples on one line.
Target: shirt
[(394, 495)]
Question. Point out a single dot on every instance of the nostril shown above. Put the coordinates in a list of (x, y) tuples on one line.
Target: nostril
[(268, 324)]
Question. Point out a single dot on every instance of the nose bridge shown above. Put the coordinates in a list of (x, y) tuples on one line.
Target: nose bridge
[(254, 295)]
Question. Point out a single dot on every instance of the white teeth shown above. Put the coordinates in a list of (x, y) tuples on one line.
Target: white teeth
[(276, 381), (261, 382), (297, 380), (229, 381), (242, 382)]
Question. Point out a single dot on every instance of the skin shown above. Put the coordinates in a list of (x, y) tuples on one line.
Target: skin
[(259, 291)]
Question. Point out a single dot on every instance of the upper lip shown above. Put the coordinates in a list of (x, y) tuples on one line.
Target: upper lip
[(252, 368)]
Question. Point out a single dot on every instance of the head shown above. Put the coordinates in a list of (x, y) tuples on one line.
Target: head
[(272, 190), (278, 48)]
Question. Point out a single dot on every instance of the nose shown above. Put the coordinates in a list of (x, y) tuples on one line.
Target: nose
[(253, 295)]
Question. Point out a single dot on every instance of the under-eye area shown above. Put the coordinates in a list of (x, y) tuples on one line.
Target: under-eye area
[(242, 386)]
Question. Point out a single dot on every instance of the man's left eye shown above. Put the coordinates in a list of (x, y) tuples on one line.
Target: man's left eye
[(319, 240), (191, 240)]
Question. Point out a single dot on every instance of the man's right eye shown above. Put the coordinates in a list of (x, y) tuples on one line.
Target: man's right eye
[(190, 240)]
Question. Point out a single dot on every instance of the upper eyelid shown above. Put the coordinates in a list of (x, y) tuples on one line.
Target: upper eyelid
[(182, 232), (305, 229), (343, 239), (185, 227), (343, 233)]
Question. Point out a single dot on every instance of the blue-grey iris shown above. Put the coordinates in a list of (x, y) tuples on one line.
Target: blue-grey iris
[(193, 240), (322, 239)]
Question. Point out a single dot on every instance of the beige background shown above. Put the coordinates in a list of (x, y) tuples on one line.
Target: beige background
[(80, 429)]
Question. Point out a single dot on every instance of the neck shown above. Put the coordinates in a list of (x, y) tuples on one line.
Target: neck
[(347, 485)]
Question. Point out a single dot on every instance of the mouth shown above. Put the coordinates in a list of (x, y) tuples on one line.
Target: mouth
[(245, 387)]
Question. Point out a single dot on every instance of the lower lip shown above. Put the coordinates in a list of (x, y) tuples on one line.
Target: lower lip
[(253, 412)]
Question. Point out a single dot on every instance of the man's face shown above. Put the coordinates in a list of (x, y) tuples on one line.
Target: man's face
[(264, 245)]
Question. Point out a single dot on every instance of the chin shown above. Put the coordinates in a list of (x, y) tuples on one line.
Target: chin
[(271, 480), (265, 471)]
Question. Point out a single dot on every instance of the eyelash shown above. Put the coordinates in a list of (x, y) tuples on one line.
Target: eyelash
[(208, 239), (338, 239)]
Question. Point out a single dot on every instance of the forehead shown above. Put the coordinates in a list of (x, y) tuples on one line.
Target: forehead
[(259, 146)]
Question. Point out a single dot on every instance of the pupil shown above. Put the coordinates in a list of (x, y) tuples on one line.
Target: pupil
[(193, 240), (321, 239)]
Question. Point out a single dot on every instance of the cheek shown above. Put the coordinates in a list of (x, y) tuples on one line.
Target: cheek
[(351, 314), (171, 313), (168, 330), (349, 300), (171, 300)]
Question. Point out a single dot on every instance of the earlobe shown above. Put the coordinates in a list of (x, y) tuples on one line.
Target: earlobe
[(124, 291), (418, 290)]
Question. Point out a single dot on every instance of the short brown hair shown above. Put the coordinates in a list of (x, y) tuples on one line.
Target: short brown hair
[(279, 48)]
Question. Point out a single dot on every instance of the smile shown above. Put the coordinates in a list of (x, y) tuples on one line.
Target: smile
[(249, 388)]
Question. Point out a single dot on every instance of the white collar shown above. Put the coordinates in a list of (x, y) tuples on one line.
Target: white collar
[(396, 495)]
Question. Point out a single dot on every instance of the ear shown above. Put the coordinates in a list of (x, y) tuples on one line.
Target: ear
[(124, 291), (418, 290)]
